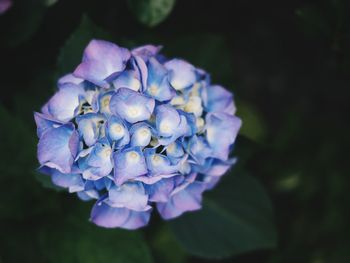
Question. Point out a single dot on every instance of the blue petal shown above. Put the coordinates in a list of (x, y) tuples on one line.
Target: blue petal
[(89, 127), (128, 79), (58, 147), (221, 132), (167, 120), (104, 102), (182, 74), (141, 134), (117, 131), (140, 66), (199, 149), (159, 164), (175, 150), (218, 99), (44, 123), (188, 199), (101, 59), (110, 217), (130, 195), (98, 163), (65, 103), (170, 124), (158, 85), (129, 164), (131, 105)]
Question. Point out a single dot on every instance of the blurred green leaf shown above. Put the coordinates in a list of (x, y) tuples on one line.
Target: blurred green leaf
[(253, 125), (77, 240), (207, 51), (151, 12), (49, 2), (237, 217), (72, 51), (17, 163), (22, 21), (166, 247)]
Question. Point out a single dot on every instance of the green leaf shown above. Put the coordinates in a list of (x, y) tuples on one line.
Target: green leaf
[(22, 21), (253, 124), (17, 163), (151, 12), (207, 51), (77, 240), (72, 51), (49, 2), (165, 246), (237, 217)]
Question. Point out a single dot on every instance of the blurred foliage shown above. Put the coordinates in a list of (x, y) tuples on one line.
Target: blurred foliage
[(236, 217), (287, 64), (151, 12)]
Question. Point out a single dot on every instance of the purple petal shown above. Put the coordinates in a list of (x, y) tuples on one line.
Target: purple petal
[(44, 123), (145, 52), (72, 181), (58, 147), (161, 190), (101, 59), (110, 217), (188, 199), (70, 79), (131, 105), (5, 5)]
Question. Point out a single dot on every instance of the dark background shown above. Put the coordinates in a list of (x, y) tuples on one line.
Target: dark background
[(287, 63)]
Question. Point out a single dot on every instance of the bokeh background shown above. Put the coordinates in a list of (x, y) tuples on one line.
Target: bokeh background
[(288, 64)]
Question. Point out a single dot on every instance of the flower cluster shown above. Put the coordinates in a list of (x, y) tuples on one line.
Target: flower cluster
[(136, 130)]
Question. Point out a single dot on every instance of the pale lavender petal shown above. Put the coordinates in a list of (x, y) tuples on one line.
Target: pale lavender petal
[(130, 195), (189, 199), (219, 100), (182, 73), (110, 217), (64, 104), (58, 147), (221, 132), (101, 59)]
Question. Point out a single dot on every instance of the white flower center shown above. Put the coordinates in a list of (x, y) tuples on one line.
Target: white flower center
[(133, 156)]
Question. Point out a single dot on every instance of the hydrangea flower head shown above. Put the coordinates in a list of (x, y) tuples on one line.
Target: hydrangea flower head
[(136, 132)]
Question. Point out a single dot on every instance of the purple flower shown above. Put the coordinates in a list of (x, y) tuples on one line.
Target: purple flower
[(5, 5), (136, 131)]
